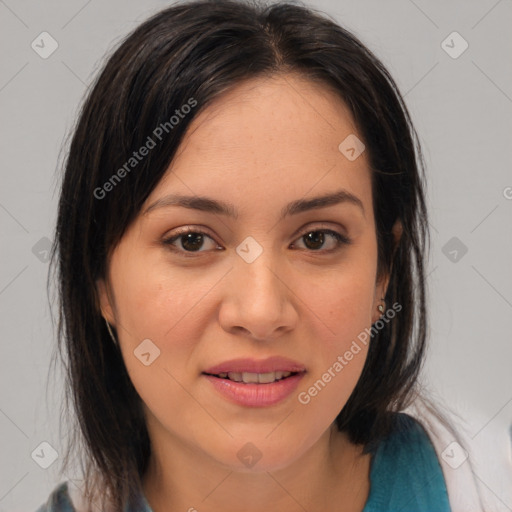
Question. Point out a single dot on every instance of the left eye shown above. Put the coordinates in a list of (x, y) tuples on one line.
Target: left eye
[(317, 237), (192, 240)]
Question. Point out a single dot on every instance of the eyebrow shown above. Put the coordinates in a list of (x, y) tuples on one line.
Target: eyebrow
[(207, 204)]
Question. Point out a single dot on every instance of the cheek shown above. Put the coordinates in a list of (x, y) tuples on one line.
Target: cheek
[(341, 315), (156, 303), (340, 357), (341, 305), (163, 310)]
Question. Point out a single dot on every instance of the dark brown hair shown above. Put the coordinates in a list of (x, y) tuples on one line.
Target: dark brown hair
[(198, 50)]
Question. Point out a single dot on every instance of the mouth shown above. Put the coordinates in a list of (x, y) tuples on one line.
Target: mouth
[(255, 383), (275, 367), (253, 378)]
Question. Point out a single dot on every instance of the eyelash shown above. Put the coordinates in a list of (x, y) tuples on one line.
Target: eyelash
[(341, 240)]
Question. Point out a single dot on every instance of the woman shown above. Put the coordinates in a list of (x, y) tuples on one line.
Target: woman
[(241, 240)]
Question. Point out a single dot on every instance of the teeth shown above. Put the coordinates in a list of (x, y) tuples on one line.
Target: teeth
[(265, 378), (261, 378), (250, 377)]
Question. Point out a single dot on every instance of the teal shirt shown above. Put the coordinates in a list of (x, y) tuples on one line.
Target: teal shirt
[(405, 476)]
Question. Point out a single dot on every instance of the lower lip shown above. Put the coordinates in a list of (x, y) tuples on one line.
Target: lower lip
[(256, 395)]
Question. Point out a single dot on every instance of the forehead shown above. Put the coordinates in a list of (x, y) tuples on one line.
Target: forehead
[(285, 110), (266, 139)]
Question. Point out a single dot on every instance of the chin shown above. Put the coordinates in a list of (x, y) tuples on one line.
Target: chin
[(259, 456)]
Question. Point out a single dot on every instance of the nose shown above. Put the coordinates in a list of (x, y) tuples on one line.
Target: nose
[(258, 301)]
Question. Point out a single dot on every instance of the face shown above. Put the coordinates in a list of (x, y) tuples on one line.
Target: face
[(251, 284)]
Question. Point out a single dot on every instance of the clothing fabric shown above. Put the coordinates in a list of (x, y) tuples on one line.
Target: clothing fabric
[(405, 476)]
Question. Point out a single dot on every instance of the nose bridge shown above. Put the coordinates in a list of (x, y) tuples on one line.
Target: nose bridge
[(258, 297), (259, 275)]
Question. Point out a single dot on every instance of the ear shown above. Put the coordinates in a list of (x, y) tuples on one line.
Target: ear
[(105, 301), (381, 286), (397, 231)]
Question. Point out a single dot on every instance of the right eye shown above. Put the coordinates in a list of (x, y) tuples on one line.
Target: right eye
[(191, 241)]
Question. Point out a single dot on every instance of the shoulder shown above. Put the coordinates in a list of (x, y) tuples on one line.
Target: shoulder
[(58, 501), (408, 442), (405, 471), (70, 499)]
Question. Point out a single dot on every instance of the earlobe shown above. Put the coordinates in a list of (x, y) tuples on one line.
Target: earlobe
[(397, 231), (382, 286), (104, 301), (379, 294), (379, 306)]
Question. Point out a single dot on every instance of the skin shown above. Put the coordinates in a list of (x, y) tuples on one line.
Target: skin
[(261, 145)]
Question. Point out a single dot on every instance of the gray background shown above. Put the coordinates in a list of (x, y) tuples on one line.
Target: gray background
[(462, 109)]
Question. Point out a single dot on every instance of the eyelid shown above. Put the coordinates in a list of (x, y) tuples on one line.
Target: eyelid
[(322, 226), (341, 239), (178, 232), (191, 228)]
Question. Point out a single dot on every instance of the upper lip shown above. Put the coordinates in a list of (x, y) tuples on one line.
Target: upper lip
[(271, 364)]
